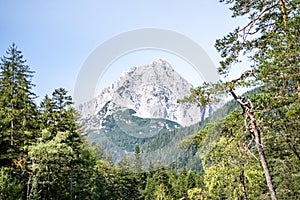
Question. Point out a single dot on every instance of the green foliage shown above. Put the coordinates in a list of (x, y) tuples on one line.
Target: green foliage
[(138, 166), (164, 146), (50, 164), (270, 43), (10, 188), (229, 163), (44, 155), (57, 113), (17, 108)]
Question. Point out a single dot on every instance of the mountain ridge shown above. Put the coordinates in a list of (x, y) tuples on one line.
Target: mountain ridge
[(150, 90)]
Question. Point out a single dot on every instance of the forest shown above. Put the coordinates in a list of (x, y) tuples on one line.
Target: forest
[(250, 153)]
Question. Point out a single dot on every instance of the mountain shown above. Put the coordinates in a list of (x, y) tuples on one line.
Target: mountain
[(137, 108), (141, 108), (151, 91)]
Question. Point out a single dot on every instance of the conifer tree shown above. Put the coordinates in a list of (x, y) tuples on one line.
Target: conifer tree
[(17, 107), (270, 40), (47, 115), (138, 166), (57, 112), (57, 115)]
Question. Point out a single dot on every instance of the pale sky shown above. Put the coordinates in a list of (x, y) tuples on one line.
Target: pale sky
[(56, 36)]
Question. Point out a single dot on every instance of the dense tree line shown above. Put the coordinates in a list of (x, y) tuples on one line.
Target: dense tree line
[(165, 146), (44, 154)]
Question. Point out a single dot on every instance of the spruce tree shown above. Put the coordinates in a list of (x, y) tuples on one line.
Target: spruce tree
[(57, 113), (138, 166), (17, 107)]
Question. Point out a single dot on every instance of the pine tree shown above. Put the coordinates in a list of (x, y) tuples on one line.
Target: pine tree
[(57, 113), (149, 189), (271, 43), (17, 107), (47, 116), (138, 166)]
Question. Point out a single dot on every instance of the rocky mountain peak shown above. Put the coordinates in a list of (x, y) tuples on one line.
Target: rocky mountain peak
[(150, 90)]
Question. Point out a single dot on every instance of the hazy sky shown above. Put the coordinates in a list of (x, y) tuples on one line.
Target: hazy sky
[(57, 36)]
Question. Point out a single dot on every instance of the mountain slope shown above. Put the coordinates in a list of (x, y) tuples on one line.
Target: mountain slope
[(140, 107), (122, 130)]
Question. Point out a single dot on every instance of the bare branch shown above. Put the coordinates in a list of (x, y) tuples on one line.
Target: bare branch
[(256, 18), (243, 75)]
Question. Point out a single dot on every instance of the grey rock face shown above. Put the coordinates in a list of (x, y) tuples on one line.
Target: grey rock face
[(150, 90)]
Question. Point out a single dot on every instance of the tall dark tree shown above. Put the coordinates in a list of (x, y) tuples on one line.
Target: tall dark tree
[(57, 113), (17, 107), (47, 116), (138, 166)]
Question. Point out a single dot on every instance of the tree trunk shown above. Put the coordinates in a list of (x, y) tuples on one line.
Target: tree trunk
[(242, 181), (48, 181), (242, 174), (247, 107), (71, 182), (28, 187), (261, 154), (12, 133)]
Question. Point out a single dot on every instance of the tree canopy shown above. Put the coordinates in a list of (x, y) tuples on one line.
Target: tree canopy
[(269, 45)]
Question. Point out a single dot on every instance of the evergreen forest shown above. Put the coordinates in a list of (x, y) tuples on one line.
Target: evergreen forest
[(248, 149)]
